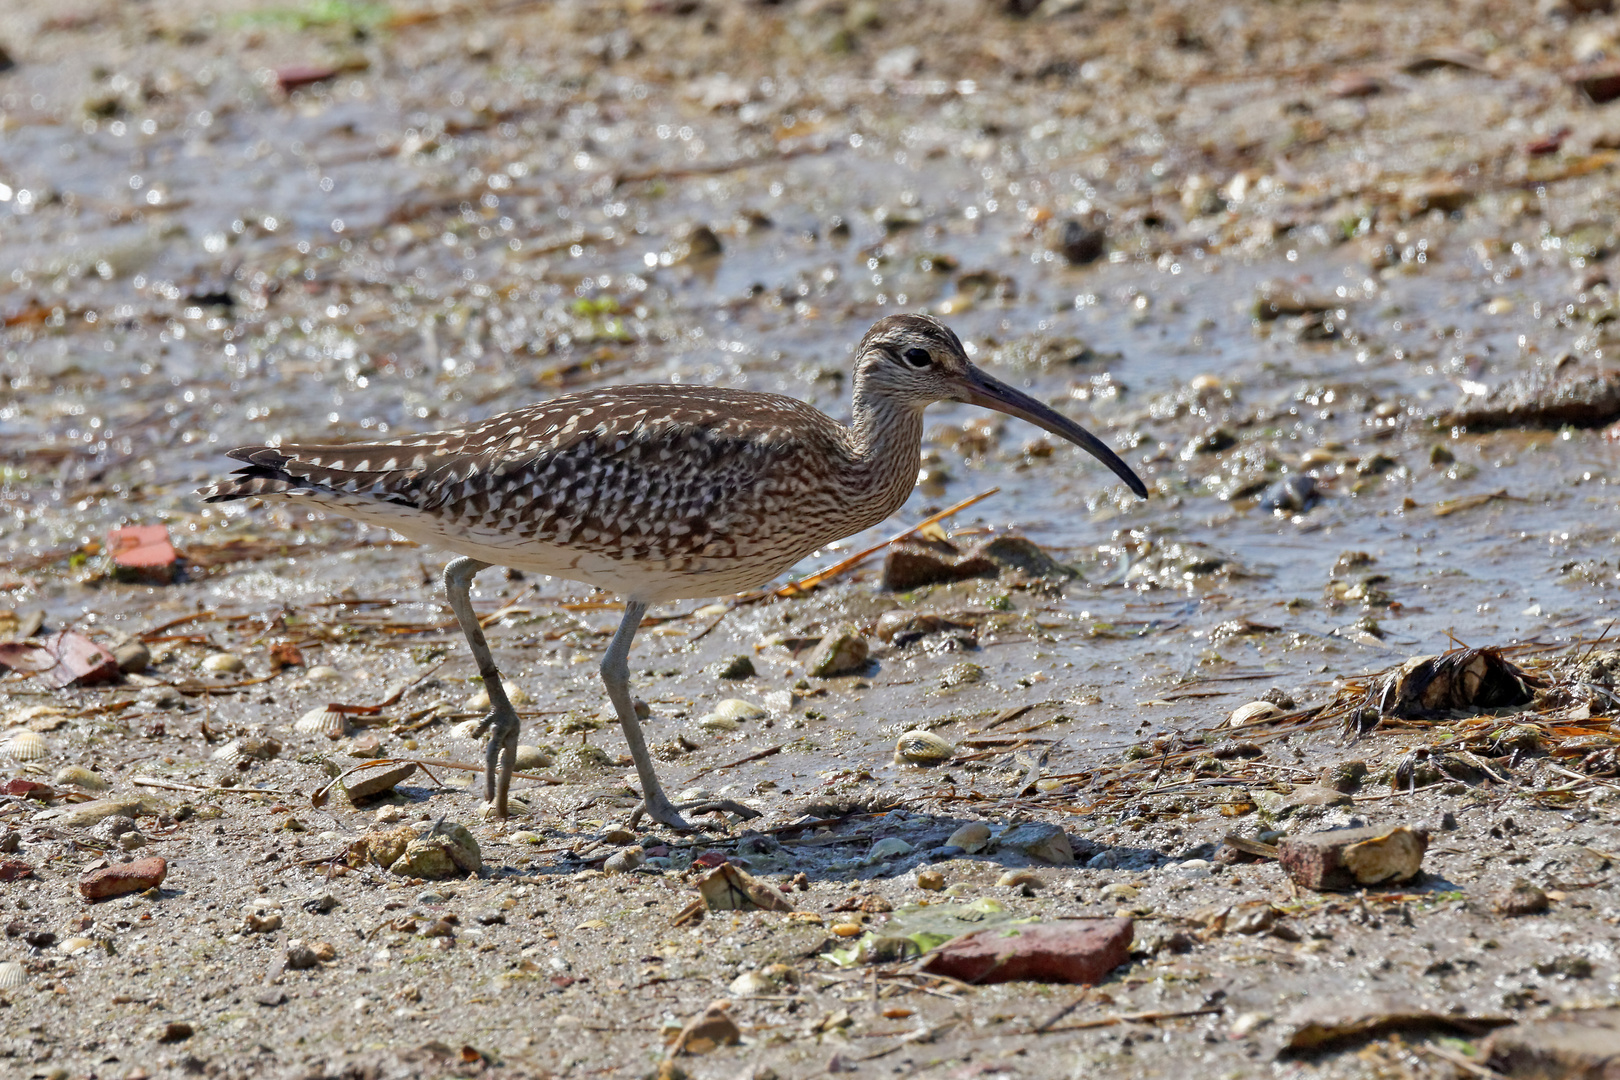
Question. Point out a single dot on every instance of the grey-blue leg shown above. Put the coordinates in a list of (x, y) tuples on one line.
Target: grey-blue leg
[(616, 675), (502, 723)]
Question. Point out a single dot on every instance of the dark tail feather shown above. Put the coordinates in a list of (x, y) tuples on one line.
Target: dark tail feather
[(272, 472)]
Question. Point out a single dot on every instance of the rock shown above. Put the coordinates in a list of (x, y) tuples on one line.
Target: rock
[(1025, 879), (695, 243), (971, 838), (930, 880), (1520, 898), (443, 852), (1323, 1020), (369, 783), (293, 76), (912, 566), (841, 652), (1079, 951), (1599, 81), (142, 553), (133, 657), (1582, 399), (888, 848), (1081, 244), (624, 861), (301, 957), (529, 758), (175, 1031), (137, 876), (1023, 556), (1291, 495), (1577, 1045), (1041, 841), (736, 667), (1345, 858)]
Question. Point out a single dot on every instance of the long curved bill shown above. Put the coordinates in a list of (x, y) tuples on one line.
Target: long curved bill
[(991, 393)]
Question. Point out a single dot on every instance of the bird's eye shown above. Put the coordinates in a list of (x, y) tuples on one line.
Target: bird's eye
[(917, 358)]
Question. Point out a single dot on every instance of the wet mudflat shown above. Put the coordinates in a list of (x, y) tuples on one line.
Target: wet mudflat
[(1334, 279)]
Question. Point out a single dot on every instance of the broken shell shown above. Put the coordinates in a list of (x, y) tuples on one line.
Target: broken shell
[(222, 663), (29, 713), (80, 777), (12, 975), (322, 721), (531, 757), (622, 862), (467, 730), (922, 748), (1253, 711), (76, 945), (247, 748), (1016, 878), (26, 746), (971, 838), (323, 673)]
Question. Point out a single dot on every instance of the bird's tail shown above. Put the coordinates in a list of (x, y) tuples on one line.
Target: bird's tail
[(315, 470)]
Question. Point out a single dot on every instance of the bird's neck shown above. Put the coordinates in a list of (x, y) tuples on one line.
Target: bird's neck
[(885, 449)]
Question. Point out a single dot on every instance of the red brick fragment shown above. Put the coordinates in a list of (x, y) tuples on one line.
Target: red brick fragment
[(1320, 860), (137, 876), (14, 869), (144, 552), (1080, 951)]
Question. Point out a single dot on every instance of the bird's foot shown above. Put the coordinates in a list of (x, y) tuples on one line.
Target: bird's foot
[(667, 813), (500, 755)]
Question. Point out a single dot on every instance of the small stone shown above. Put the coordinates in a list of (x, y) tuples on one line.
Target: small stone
[(175, 1031), (369, 783), (971, 838), (618, 837), (137, 876), (841, 652), (1081, 244), (529, 758), (713, 1029), (1076, 951), (735, 668), (888, 848), (80, 777), (262, 922), (961, 673), (223, 663), (1520, 898), (1039, 840), (1570, 1045), (131, 840), (930, 880), (624, 861), (133, 657), (1119, 892), (912, 566), (300, 957)]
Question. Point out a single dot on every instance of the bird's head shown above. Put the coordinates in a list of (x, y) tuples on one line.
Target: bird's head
[(913, 360)]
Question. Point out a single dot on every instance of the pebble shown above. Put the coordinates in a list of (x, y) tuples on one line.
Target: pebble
[(323, 673), (133, 657), (222, 663), (531, 757), (370, 783), (1119, 890), (887, 848), (1520, 898), (930, 880), (971, 838), (842, 651), (624, 861), (734, 668)]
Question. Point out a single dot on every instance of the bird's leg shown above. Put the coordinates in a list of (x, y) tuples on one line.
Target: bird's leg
[(616, 674), (502, 722)]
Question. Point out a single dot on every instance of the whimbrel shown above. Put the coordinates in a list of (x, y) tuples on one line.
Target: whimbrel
[(656, 493)]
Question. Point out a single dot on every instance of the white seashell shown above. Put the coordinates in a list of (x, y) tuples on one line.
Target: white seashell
[(12, 975), (466, 729), (230, 752), (80, 777), (923, 748), (738, 709), (323, 721), (1254, 710), (715, 722), (223, 663), (76, 945), (971, 838), (26, 746), (323, 673)]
